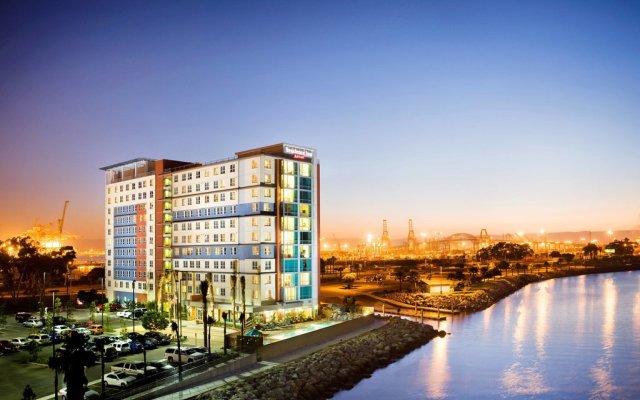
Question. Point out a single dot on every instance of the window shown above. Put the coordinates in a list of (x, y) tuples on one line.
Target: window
[(289, 293), (197, 174), (267, 192), (232, 182), (254, 294), (255, 250), (267, 163), (222, 292), (232, 168), (305, 169), (222, 169), (254, 178), (254, 236), (254, 264), (254, 221)]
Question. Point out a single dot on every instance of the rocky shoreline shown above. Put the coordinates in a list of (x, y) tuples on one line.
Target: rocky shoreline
[(338, 367), (496, 289)]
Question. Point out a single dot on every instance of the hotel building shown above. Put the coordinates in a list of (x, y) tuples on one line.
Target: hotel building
[(252, 219)]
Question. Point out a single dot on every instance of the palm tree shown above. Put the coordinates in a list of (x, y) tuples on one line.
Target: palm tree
[(204, 290), (591, 250), (400, 274), (243, 298), (72, 360), (233, 297)]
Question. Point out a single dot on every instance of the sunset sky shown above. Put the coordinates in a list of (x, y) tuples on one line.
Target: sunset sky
[(459, 114)]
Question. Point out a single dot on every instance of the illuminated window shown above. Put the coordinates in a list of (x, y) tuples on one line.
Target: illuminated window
[(255, 294), (288, 195), (254, 236), (254, 163), (255, 250), (305, 224), (305, 279), (267, 178), (288, 181), (288, 167), (290, 294), (305, 169), (305, 210), (288, 237), (267, 192), (254, 221), (267, 163), (254, 192)]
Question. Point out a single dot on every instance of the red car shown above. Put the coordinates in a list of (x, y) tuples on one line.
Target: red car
[(7, 347), (115, 306)]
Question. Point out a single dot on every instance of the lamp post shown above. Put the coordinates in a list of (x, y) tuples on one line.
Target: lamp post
[(174, 327), (224, 335), (133, 305), (53, 343)]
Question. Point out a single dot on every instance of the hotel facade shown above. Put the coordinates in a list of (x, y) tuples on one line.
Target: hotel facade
[(249, 225)]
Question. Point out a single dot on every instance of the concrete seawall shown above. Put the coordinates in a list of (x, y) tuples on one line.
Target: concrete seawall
[(274, 350)]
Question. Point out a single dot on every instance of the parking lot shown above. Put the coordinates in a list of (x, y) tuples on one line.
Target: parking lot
[(18, 372)]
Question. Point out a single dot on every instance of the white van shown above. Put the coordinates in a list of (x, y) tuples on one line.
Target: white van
[(120, 346)]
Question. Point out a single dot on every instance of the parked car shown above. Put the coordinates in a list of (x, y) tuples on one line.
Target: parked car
[(60, 328), (115, 307), (55, 337), (162, 339), (162, 365), (123, 313), (40, 338), (20, 342), (110, 354), (137, 313), (22, 316), (119, 379), (88, 394), (135, 335), (33, 323), (136, 368), (6, 347), (121, 346), (83, 331), (172, 355)]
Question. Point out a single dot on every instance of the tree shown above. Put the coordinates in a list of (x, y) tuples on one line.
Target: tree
[(591, 250), (474, 270), (233, 297), (503, 265), (72, 359), (622, 248), (153, 320), (340, 270), (555, 254), (204, 291), (244, 302), (332, 261), (413, 277), (505, 251), (348, 280), (400, 274)]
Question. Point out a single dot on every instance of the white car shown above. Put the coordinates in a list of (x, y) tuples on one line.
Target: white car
[(20, 342), (33, 323), (88, 394), (121, 346), (119, 379), (83, 331), (60, 329), (40, 338), (123, 313)]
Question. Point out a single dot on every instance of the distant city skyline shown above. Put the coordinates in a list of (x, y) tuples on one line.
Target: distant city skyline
[(460, 116)]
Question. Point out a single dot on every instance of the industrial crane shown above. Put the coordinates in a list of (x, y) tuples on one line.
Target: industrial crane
[(61, 220)]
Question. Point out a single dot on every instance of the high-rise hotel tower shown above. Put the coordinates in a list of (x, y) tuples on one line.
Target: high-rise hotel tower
[(247, 224)]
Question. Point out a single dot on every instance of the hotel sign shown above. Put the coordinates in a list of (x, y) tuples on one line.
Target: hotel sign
[(299, 153)]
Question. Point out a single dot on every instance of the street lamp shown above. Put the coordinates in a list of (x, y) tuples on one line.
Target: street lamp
[(133, 305), (224, 335), (53, 343)]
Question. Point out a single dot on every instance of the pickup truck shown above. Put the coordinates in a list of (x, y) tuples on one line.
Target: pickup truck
[(133, 368)]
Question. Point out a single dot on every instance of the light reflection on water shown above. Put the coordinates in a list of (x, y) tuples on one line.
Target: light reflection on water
[(568, 338)]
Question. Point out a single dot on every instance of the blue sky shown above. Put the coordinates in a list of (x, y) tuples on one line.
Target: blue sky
[(461, 115)]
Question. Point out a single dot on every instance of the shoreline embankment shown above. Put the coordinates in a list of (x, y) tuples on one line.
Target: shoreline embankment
[(337, 367), (494, 289)]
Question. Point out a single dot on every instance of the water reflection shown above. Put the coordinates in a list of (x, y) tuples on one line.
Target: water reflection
[(438, 372), (601, 372), (581, 312), (636, 315), (523, 375)]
